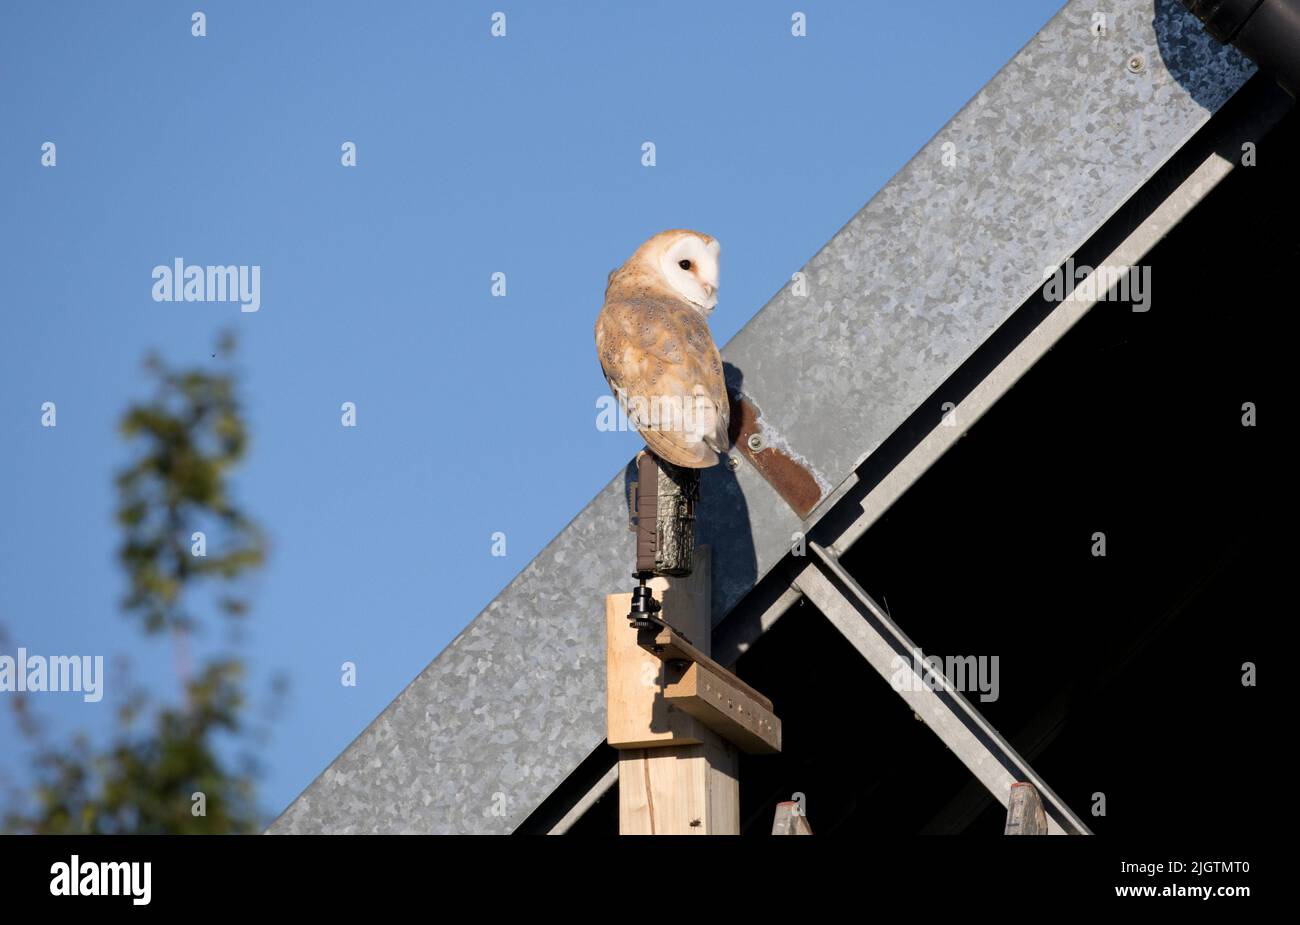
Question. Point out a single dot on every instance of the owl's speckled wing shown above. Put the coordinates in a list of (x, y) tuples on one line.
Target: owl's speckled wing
[(660, 360)]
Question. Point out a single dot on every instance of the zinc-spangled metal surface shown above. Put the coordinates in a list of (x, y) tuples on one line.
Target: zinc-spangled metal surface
[(1028, 170)]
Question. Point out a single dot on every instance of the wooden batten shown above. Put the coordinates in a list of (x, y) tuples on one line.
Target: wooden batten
[(725, 707)]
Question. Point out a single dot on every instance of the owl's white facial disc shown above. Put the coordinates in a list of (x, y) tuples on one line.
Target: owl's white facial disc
[(690, 265)]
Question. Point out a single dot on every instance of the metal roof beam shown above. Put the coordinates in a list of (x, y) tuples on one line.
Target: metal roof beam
[(949, 715)]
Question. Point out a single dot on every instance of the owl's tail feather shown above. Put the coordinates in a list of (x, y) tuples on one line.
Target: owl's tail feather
[(696, 455)]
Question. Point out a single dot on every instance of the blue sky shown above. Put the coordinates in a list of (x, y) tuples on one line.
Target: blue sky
[(475, 155)]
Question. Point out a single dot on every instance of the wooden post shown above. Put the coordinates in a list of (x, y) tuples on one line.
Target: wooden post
[(1025, 814), (679, 790), (675, 775), (788, 820)]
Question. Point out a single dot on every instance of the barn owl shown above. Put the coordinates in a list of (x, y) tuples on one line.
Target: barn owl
[(654, 344)]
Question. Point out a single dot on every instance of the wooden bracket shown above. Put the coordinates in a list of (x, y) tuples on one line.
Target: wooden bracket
[(699, 686)]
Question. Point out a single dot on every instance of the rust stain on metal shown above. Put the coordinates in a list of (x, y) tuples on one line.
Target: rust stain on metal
[(791, 480)]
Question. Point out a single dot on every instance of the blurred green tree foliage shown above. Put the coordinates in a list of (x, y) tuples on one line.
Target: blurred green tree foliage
[(161, 770)]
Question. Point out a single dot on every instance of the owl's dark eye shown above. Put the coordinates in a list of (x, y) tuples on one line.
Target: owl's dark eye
[(684, 264)]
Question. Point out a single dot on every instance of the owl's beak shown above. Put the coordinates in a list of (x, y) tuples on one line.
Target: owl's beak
[(710, 291)]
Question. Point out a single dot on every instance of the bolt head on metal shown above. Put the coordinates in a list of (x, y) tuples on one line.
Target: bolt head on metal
[(1136, 64), (756, 443), (733, 463)]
